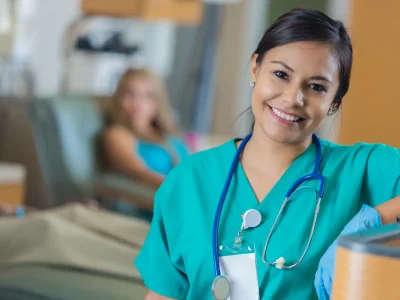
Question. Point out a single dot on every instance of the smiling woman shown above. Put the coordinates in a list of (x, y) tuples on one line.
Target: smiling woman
[(285, 79), (300, 73), (292, 64)]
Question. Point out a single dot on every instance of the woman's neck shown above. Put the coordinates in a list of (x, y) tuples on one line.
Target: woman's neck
[(264, 153)]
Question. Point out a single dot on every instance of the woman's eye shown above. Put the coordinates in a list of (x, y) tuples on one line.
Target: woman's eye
[(318, 88), (281, 74)]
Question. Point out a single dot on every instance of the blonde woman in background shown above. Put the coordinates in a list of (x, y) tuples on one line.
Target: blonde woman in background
[(142, 140)]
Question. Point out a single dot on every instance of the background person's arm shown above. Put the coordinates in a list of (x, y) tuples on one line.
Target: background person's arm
[(119, 149)]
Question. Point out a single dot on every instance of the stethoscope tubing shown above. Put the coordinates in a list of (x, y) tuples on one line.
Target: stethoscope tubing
[(313, 175)]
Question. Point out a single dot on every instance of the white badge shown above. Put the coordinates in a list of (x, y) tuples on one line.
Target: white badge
[(241, 271)]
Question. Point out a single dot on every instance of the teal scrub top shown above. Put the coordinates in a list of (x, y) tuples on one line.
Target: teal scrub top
[(176, 259)]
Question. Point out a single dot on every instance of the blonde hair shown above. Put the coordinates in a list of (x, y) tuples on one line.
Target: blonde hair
[(164, 121)]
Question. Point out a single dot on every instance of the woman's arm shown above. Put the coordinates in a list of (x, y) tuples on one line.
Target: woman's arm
[(118, 144), (389, 210), (153, 296)]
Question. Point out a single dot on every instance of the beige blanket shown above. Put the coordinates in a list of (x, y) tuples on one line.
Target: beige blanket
[(75, 245)]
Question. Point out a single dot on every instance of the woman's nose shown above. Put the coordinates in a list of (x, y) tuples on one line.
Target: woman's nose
[(294, 96)]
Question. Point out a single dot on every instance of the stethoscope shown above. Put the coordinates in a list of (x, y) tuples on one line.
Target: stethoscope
[(221, 284)]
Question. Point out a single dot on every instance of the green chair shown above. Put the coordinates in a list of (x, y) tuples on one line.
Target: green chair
[(66, 132)]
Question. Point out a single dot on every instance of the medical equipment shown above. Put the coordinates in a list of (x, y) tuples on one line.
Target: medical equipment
[(221, 285)]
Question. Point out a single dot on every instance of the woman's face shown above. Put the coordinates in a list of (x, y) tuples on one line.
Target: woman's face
[(138, 101), (294, 88)]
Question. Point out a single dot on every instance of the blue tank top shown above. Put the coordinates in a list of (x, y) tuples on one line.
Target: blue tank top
[(158, 158)]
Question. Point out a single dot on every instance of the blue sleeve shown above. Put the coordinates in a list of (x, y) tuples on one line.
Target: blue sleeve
[(158, 271), (366, 218), (382, 176)]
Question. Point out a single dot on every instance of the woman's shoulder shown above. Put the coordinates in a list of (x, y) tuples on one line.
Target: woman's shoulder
[(370, 169), (117, 132), (368, 152)]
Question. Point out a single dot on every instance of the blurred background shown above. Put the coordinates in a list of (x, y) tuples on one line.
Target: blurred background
[(61, 62)]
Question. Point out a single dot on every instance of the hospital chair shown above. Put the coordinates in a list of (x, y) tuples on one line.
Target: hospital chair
[(66, 132)]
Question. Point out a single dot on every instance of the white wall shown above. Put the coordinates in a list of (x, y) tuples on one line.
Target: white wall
[(242, 27), (89, 74), (255, 13), (339, 10), (52, 19)]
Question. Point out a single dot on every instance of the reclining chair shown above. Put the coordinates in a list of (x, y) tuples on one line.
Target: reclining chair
[(66, 132)]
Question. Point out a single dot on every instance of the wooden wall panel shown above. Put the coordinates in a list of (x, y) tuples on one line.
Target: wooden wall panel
[(371, 110)]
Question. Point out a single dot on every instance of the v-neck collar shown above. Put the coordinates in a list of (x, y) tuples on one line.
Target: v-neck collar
[(301, 166)]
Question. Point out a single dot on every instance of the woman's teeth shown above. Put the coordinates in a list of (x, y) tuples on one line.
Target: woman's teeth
[(284, 116)]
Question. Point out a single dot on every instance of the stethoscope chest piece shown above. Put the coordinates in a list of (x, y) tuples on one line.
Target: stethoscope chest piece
[(221, 288)]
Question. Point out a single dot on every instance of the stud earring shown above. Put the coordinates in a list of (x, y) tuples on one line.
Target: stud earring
[(331, 111), (252, 84)]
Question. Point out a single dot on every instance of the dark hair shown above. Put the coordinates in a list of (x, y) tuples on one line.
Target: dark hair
[(303, 24)]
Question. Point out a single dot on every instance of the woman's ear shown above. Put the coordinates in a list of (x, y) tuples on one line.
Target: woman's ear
[(333, 109), (254, 68)]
